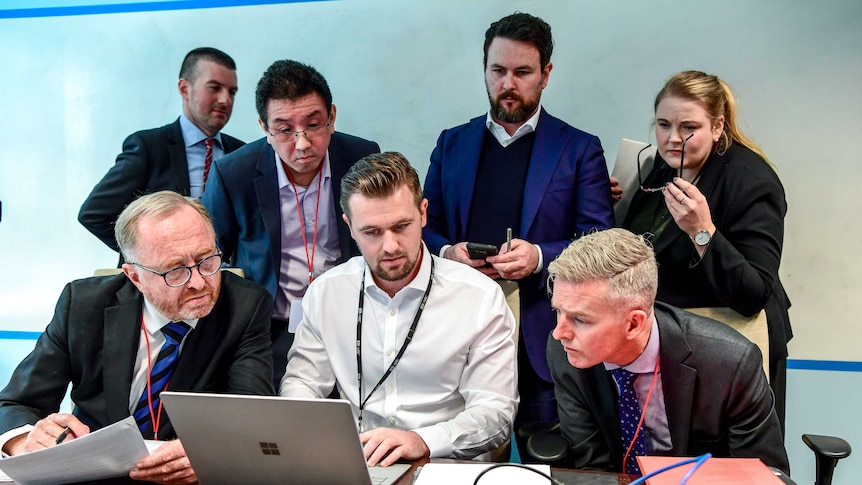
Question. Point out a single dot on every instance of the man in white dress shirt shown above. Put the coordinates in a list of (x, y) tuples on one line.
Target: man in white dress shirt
[(421, 346)]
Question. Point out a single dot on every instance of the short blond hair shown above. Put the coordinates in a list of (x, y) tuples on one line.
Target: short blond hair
[(159, 204), (625, 260)]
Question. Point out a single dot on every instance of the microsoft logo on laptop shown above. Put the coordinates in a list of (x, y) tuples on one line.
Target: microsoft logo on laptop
[(269, 448)]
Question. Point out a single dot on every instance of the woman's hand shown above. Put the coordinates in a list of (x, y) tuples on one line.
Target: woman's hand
[(688, 207)]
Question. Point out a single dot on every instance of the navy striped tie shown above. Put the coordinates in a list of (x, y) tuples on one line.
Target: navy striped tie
[(160, 375)]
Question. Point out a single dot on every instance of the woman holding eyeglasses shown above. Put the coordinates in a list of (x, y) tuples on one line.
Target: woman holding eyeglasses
[(715, 208)]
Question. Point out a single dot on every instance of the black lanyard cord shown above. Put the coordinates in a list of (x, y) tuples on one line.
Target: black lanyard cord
[(407, 341)]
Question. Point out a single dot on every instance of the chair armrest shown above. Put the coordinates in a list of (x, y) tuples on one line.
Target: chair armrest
[(827, 446), (548, 447)]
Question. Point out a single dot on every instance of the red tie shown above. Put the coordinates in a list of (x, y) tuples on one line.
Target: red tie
[(208, 160)]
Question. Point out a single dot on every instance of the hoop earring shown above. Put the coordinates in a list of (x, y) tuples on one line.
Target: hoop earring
[(723, 143)]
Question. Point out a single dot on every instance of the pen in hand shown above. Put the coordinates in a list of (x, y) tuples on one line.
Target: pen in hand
[(62, 436), (508, 239)]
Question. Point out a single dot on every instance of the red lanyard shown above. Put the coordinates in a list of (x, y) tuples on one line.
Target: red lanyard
[(309, 261), (643, 413), (154, 416)]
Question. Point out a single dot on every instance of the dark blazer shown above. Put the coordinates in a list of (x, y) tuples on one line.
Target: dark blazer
[(567, 193), (92, 343), (740, 266), (152, 160), (242, 197), (716, 396)]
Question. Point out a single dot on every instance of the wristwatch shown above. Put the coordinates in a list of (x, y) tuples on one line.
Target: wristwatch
[(702, 237)]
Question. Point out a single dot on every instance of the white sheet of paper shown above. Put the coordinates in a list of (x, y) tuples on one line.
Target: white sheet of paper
[(437, 473), (106, 453), (295, 315)]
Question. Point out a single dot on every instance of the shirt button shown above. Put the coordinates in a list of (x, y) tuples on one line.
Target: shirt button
[(391, 313), (391, 388), (391, 420), (389, 353)]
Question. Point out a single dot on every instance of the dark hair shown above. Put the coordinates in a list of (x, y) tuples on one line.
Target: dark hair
[(522, 27), (380, 175), (189, 69), (291, 80)]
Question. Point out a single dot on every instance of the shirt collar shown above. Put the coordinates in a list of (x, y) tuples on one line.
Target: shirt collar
[(418, 283), (155, 320), (645, 363), (503, 137), (283, 181), (192, 135)]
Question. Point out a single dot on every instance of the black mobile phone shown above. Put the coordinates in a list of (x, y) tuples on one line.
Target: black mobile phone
[(481, 251)]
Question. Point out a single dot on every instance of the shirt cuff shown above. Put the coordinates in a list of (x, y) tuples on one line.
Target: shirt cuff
[(12, 433), (437, 440), (443, 249), (540, 264)]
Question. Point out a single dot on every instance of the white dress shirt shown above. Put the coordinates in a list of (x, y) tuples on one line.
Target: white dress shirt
[(456, 384)]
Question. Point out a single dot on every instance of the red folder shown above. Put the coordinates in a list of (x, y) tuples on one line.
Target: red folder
[(724, 471)]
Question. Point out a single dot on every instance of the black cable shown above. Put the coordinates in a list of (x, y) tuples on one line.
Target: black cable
[(517, 465)]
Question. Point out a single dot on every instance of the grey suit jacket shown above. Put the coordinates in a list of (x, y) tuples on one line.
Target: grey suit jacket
[(151, 160), (716, 396), (92, 343)]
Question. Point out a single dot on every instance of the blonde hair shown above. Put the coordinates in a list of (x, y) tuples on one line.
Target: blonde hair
[(718, 100), (159, 204), (624, 259)]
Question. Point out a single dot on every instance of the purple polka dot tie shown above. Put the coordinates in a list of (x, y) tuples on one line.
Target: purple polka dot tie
[(630, 414)]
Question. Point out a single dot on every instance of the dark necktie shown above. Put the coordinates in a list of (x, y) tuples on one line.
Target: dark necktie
[(160, 374), (630, 414), (208, 159)]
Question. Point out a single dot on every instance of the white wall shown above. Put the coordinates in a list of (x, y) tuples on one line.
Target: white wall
[(401, 71)]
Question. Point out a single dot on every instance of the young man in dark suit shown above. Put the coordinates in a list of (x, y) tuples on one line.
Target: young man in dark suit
[(172, 316), (519, 168), (175, 156), (275, 201), (617, 357)]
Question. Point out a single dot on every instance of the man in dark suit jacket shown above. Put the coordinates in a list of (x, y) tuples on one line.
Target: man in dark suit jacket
[(275, 201), (519, 168), (171, 157), (699, 384), (107, 333)]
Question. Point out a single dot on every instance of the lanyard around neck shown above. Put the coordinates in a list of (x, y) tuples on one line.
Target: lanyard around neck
[(308, 260), (407, 341)]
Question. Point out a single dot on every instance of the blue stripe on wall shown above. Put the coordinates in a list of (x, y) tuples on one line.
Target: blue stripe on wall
[(135, 7), (16, 335)]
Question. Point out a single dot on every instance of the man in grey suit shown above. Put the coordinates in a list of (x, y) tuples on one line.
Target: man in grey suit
[(275, 201), (174, 156), (699, 385), (112, 338)]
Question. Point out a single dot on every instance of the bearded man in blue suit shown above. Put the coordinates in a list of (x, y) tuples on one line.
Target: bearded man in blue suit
[(518, 167)]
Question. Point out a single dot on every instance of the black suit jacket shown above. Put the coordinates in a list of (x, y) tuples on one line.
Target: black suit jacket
[(152, 160), (92, 343), (716, 396), (740, 266), (242, 196)]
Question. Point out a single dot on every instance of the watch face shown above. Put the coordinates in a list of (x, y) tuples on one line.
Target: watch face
[(702, 238)]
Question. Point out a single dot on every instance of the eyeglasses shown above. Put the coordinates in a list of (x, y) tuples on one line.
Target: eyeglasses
[(310, 132), (679, 171), (181, 275)]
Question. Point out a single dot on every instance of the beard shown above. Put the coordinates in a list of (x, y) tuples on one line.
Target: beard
[(398, 273), (516, 115)]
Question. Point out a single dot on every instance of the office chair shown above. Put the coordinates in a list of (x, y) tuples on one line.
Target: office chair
[(548, 446)]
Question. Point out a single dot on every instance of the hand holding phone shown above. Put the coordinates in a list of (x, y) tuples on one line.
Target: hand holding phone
[(481, 251)]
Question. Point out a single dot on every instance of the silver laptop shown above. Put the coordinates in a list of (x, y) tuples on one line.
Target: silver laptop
[(233, 439)]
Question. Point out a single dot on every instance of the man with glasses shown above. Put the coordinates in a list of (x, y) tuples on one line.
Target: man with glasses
[(172, 320), (275, 201), (176, 156)]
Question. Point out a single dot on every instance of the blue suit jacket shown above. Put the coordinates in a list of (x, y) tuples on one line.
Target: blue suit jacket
[(242, 198), (567, 193)]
